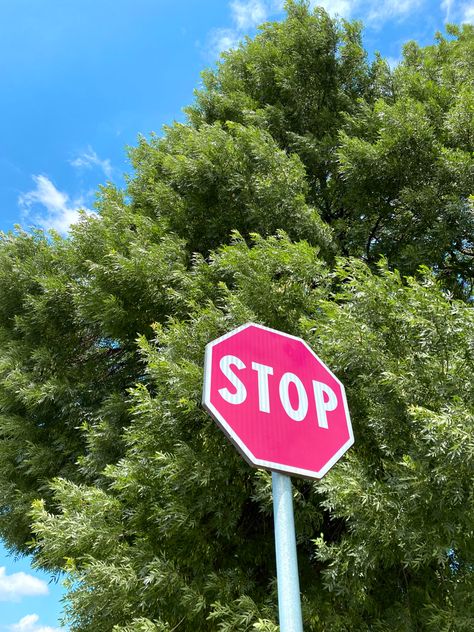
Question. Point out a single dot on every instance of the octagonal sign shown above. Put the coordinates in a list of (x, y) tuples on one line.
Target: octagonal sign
[(278, 403)]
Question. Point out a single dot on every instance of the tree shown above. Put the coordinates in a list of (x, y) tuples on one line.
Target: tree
[(304, 177), (388, 155)]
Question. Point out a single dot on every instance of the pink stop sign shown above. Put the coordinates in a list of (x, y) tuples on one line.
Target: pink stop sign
[(278, 403)]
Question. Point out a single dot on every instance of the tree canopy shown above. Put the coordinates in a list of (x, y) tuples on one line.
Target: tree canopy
[(311, 190)]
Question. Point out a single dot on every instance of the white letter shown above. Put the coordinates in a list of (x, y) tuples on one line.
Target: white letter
[(263, 396), (323, 407), (240, 391), (297, 414)]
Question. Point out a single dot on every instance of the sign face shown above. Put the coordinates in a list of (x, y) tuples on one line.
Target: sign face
[(277, 401)]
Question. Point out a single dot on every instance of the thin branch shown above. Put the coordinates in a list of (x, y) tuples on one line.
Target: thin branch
[(371, 237)]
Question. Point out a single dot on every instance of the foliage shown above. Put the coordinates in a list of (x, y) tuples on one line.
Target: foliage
[(210, 181), (304, 192), (388, 155)]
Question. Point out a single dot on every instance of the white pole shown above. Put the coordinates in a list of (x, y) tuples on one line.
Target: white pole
[(289, 603)]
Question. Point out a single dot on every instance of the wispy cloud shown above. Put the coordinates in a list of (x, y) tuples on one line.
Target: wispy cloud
[(393, 62), (248, 15), (446, 6), (467, 13), (380, 12), (221, 40), (29, 623), (49, 208), (455, 11), (372, 11), (17, 585), (344, 8), (245, 16), (89, 159)]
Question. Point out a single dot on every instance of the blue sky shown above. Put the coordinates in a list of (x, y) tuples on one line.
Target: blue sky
[(80, 80), (29, 600)]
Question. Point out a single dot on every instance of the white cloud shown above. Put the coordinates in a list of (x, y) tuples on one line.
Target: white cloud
[(446, 6), (458, 11), (384, 10), (56, 210), (14, 587), (245, 16), (373, 11), (29, 623), (344, 8), (393, 62), (468, 13), (248, 15), (89, 159), (221, 40)]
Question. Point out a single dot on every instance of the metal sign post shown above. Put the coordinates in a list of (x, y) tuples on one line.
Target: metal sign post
[(289, 602), (285, 411)]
